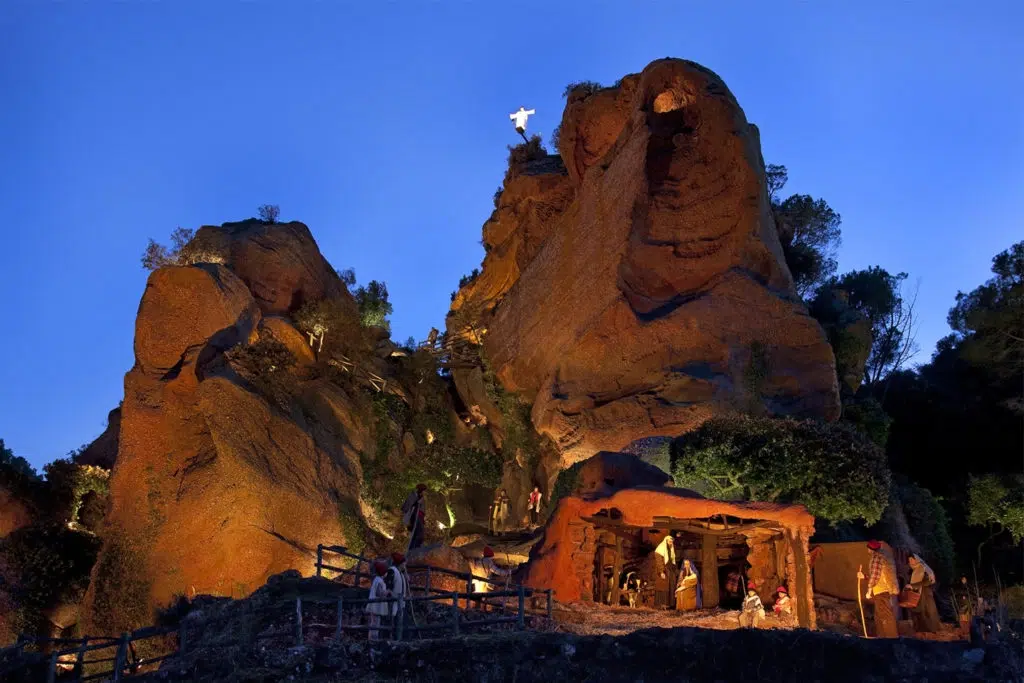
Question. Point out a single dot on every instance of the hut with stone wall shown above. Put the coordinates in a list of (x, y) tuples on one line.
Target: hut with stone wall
[(597, 536)]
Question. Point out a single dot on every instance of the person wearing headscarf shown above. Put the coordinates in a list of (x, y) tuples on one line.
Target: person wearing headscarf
[(666, 568), (397, 582), (688, 589), (925, 615)]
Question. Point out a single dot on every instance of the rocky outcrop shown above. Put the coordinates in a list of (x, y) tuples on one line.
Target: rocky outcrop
[(103, 451), (640, 288), (15, 513), (230, 466)]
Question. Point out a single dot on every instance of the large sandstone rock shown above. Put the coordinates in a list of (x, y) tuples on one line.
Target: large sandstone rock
[(14, 512), (280, 263), (641, 288), (218, 482)]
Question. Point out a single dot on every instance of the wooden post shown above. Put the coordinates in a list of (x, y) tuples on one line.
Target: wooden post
[(359, 569), (455, 612), (298, 620), (549, 603), (469, 590), (522, 608), (337, 629), (401, 618), (119, 658), (80, 658), (51, 673), (803, 592), (428, 579), (617, 570), (709, 573), (319, 558)]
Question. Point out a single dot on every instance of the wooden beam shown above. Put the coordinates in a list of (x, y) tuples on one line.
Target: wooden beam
[(709, 575), (803, 590)]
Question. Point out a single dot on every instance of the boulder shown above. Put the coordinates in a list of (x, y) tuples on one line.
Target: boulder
[(641, 288), (280, 263), (223, 481), (14, 512), (606, 472)]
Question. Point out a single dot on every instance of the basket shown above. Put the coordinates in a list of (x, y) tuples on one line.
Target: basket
[(909, 598)]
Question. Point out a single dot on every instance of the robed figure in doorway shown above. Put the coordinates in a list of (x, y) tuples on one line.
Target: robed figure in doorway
[(688, 593), (666, 569)]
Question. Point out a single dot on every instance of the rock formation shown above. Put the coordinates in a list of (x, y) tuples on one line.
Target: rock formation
[(640, 288), (103, 451), (220, 479)]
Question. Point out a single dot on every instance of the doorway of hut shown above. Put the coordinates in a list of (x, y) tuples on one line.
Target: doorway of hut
[(644, 566)]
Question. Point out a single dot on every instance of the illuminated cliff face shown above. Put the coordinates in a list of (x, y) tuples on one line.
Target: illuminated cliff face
[(640, 288)]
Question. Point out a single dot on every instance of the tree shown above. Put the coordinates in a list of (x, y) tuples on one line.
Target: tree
[(581, 89), (889, 307), (374, 307), (269, 213), (348, 276), (808, 229), (317, 318), (187, 247), (988, 324), (838, 473), (997, 503)]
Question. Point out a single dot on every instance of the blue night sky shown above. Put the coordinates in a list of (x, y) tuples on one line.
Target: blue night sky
[(384, 125)]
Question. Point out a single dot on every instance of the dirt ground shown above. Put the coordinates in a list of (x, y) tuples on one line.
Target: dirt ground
[(591, 619)]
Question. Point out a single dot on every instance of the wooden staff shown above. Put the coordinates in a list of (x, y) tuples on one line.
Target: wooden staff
[(863, 624)]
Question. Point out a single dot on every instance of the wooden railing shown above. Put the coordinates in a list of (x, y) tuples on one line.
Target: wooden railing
[(426, 572), (346, 365)]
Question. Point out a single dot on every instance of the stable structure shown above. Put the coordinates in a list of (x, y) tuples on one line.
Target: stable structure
[(592, 542)]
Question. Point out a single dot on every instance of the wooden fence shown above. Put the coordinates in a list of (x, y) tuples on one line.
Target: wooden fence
[(92, 653), (425, 573)]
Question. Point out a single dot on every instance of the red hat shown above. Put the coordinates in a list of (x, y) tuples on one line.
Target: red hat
[(781, 589), (381, 567), (751, 586), (397, 558), (421, 487), (488, 552), (874, 545)]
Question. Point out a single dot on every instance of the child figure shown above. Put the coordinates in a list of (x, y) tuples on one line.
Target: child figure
[(753, 610), (783, 603), (378, 591)]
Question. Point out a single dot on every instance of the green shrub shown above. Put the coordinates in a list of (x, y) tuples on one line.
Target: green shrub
[(929, 525), (565, 485), (374, 307), (581, 89), (522, 154), (867, 416), (265, 365), (121, 592), (352, 526), (68, 482), (837, 473)]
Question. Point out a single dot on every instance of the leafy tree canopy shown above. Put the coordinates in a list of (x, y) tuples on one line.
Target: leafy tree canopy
[(997, 501), (839, 474), (374, 307)]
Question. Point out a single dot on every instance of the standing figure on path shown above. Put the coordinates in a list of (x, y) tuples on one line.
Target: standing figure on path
[(397, 583), (520, 118), (534, 505), (414, 515), (882, 586), (688, 595), (752, 613), (501, 502), (378, 591), (926, 615)]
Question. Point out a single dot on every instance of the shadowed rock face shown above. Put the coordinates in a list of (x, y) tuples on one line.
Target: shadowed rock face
[(641, 288)]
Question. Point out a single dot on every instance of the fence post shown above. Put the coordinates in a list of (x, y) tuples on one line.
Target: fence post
[(469, 590), (359, 574), (122, 653), (428, 580), (549, 604), (80, 658), (337, 629), (522, 606), (51, 673), (401, 617), (319, 558), (455, 612), (298, 620)]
